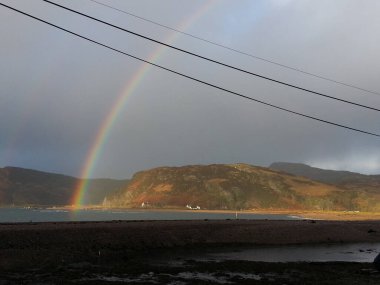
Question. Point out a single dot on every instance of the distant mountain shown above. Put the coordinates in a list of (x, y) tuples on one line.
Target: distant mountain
[(345, 179), (236, 186), (19, 186), (218, 186), (318, 174)]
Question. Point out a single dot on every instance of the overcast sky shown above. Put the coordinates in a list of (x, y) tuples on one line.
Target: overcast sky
[(56, 89)]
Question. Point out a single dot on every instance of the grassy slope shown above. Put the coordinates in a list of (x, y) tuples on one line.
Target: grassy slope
[(236, 186)]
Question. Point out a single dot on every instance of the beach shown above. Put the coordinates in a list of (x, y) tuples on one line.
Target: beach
[(81, 249)]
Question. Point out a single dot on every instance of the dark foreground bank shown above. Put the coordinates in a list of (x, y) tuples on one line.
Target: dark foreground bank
[(135, 252)]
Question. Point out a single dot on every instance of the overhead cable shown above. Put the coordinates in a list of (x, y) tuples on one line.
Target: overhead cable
[(212, 60), (193, 78), (236, 50)]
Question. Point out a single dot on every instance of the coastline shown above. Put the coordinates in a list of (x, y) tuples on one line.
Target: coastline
[(78, 252), (301, 214), (136, 235)]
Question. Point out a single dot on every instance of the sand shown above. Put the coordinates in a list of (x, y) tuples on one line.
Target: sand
[(52, 247), (76, 240), (136, 234)]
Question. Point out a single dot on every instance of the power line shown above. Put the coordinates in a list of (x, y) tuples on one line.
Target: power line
[(212, 60), (192, 78), (236, 50)]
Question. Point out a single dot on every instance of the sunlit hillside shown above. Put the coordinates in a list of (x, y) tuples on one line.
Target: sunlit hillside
[(236, 186)]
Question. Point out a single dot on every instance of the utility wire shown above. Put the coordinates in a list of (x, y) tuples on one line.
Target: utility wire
[(236, 50), (212, 60), (192, 78)]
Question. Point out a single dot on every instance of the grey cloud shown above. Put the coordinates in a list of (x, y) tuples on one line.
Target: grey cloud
[(56, 90)]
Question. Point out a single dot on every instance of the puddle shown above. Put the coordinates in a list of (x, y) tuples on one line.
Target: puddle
[(143, 278), (179, 278), (363, 252)]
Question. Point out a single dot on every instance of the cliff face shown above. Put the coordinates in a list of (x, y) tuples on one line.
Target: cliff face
[(19, 186), (235, 186)]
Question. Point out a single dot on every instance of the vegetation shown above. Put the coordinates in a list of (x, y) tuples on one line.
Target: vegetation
[(284, 186), (25, 187), (237, 187)]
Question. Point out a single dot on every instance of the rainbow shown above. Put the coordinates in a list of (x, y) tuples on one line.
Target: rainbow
[(106, 126)]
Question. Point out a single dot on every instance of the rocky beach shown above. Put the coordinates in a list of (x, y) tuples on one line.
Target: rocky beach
[(121, 251)]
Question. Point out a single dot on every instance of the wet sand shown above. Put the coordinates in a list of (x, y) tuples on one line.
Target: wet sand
[(135, 235), (328, 215), (306, 214), (89, 247)]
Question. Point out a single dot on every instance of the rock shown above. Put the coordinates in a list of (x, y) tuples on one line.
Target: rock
[(376, 262)]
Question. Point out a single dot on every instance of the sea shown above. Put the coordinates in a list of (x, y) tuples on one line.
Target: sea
[(24, 215)]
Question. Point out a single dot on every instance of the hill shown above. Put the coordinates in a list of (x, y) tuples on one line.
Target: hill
[(20, 186), (344, 179), (236, 186), (317, 174)]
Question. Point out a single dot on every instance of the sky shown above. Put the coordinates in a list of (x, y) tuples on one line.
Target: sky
[(57, 90)]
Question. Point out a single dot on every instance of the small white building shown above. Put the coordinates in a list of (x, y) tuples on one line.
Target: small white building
[(193, 208)]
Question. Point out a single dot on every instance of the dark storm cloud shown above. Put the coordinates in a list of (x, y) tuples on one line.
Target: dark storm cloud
[(56, 90)]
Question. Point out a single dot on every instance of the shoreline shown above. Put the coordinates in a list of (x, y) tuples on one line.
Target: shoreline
[(72, 251), (301, 214), (189, 232)]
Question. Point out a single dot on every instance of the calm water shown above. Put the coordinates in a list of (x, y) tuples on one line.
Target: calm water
[(356, 252), (12, 215)]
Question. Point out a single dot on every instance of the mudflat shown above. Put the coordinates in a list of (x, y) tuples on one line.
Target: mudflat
[(78, 251)]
